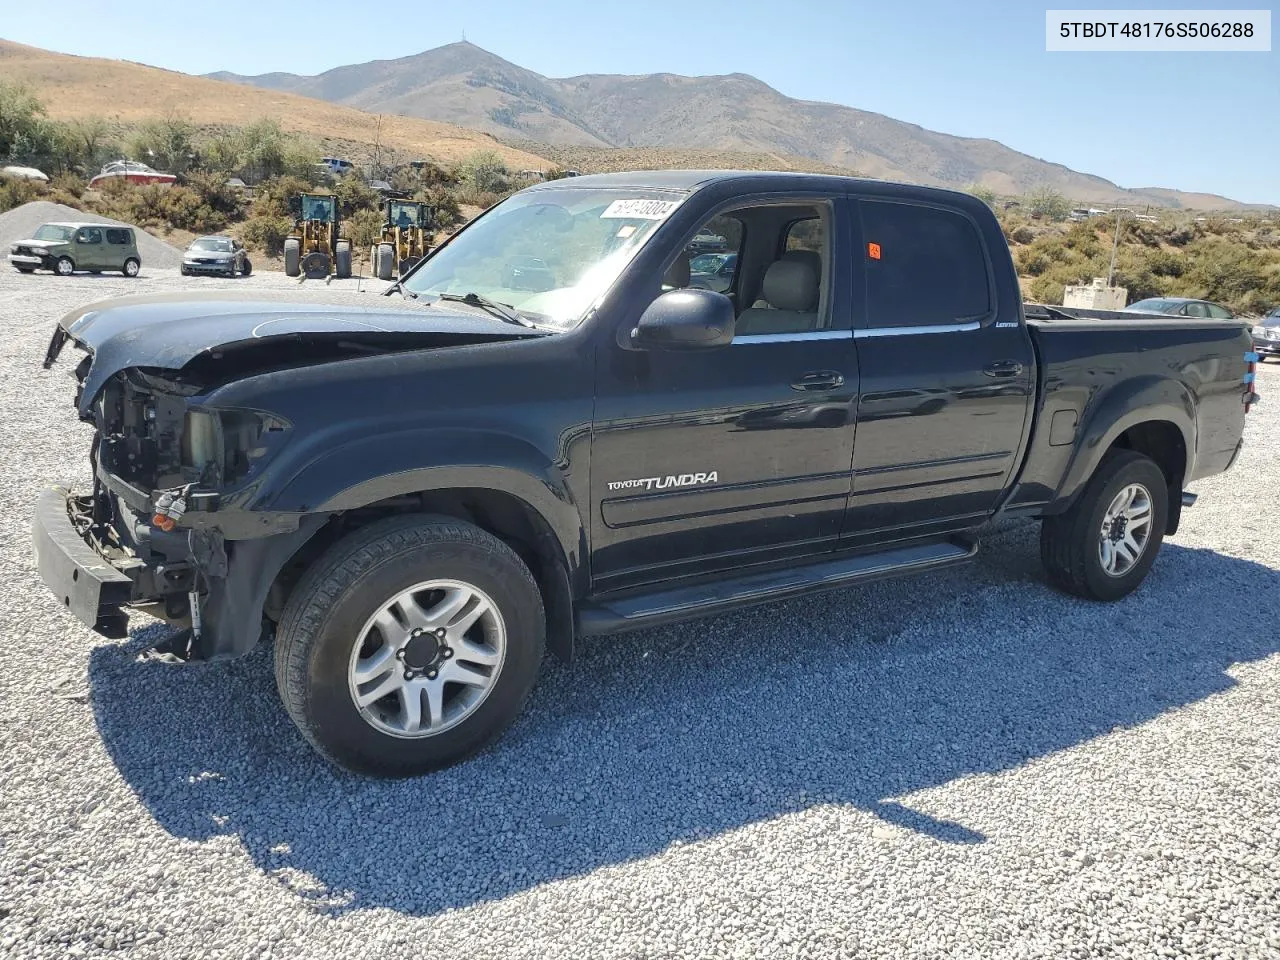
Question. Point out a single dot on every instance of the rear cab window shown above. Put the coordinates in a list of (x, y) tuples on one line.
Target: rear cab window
[(119, 236), (925, 266)]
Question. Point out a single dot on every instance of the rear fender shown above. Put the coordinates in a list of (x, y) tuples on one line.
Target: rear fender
[(1128, 404)]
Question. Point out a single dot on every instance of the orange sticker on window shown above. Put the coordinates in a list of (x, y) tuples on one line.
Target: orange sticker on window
[(873, 251)]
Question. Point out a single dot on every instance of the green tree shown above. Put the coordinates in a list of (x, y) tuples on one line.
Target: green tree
[(167, 143), (1048, 202), (485, 172), (985, 194), (21, 119)]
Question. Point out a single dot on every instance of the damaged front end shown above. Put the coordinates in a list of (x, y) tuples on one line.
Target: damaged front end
[(151, 536), (178, 522)]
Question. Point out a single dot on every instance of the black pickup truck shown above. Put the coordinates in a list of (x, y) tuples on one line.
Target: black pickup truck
[(417, 495)]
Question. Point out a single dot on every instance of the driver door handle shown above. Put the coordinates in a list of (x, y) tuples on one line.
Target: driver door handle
[(819, 380)]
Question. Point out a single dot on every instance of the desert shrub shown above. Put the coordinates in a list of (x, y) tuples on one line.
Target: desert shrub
[(1044, 201), (354, 195), (14, 192), (985, 194), (484, 172), (448, 213), (363, 228), (213, 191), (266, 232), (1046, 290), (274, 195), (167, 143)]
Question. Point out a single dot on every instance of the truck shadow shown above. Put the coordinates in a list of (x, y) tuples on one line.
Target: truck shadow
[(855, 698)]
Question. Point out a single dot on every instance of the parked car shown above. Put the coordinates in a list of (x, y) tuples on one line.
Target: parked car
[(1266, 335), (1181, 307), (707, 242), (66, 248), (421, 494), (131, 171), (218, 255), (712, 271), (336, 166)]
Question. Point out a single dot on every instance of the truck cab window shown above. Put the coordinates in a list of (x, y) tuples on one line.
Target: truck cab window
[(925, 266), (790, 270)]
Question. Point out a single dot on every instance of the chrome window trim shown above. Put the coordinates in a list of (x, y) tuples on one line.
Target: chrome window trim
[(790, 337), (868, 332)]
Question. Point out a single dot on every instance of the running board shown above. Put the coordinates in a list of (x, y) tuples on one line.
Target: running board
[(608, 615)]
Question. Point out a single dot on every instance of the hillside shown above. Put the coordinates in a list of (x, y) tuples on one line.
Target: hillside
[(125, 92), (462, 84)]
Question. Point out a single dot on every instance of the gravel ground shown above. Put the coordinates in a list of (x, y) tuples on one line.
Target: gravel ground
[(21, 222), (960, 765)]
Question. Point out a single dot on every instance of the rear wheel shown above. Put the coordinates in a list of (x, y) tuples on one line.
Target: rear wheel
[(64, 267), (409, 645), (1103, 547), (386, 261), (131, 267), (342, 259), (292, 257), (246, 267)]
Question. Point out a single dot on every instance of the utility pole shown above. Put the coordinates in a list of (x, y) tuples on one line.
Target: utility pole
[(377, 149), (1115, 244)]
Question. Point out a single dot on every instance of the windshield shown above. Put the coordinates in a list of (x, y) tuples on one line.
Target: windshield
[(52, 231), (708, 262), (404, 214), (212, 243), (1154, 306), (317, 208), (549, 254)]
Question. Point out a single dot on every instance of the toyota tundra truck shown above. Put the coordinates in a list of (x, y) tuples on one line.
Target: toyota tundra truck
[(416, 495)]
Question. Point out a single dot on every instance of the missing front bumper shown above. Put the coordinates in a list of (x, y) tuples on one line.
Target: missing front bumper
[(83, 580)]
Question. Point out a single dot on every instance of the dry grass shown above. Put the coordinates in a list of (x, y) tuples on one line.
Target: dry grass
[(127, 93)]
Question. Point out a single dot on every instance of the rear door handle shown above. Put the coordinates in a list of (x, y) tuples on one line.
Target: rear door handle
[(819, 380), (1003, 368)]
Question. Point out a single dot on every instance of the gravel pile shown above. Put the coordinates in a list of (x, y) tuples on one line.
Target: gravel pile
[(21, 222), (966, 764)]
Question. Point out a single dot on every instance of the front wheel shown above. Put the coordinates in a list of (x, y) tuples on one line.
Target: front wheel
[(64, 267), (342, 259), (411, 644), (1104, 545)]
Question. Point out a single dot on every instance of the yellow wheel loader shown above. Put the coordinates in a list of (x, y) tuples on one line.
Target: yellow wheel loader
[(314, 249), (406, 230)]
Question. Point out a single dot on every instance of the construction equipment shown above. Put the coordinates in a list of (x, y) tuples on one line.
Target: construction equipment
[(403, 241), (314, 249)]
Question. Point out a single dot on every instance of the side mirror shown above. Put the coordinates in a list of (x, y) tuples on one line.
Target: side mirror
[(686, 320)]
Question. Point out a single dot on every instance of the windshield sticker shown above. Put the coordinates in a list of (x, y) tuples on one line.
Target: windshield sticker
[(626, 230), (639, 209)]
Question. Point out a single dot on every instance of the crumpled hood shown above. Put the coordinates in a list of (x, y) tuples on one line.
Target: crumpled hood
[(40, 243), (168, 331)]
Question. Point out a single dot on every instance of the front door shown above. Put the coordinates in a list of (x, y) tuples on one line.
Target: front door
[(715, 459), (946, 373), (89, 255)]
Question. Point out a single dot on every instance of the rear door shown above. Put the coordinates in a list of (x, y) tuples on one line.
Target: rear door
[(946, 374)]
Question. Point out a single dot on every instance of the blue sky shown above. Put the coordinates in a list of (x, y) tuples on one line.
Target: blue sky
[(1194, 121)]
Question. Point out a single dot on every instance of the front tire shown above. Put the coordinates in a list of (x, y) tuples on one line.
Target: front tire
[(376, 697), (64, 267), (1103, 546), (342, 260)]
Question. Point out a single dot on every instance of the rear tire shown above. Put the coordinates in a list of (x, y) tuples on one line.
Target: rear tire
[(342, 259), (292, 257), (333, 621), (386, 261), (131, 267), (1072, 544), (246, 268)]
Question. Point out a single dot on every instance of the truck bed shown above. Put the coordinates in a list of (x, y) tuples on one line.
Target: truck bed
[(1098, 366)]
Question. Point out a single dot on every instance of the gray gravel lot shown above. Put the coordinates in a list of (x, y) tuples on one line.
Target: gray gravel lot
[(961, 765)]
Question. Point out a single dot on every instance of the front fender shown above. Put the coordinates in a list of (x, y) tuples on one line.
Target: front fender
[(365, 471), (1129, 403)]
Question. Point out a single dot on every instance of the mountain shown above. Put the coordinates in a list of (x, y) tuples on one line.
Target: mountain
[(71, 87), (462, 84)]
